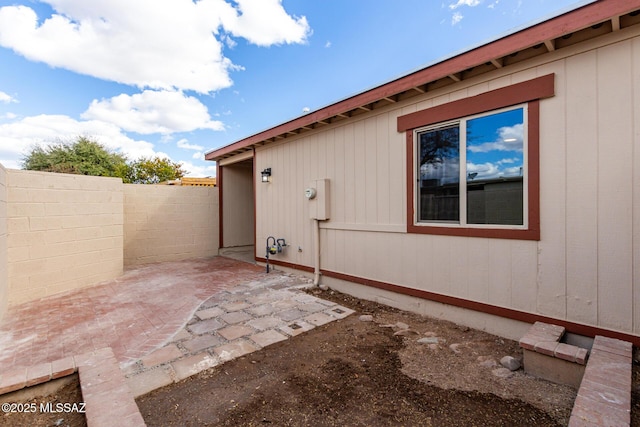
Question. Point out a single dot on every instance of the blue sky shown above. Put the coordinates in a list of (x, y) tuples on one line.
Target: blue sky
[(178, 77)]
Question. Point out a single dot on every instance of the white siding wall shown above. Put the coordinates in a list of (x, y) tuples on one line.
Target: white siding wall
[(581, 270)]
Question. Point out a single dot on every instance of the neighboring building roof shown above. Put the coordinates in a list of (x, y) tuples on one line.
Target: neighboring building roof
[(587, 22), (192, 182)]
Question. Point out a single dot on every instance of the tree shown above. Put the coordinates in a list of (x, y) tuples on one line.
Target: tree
[(87, 157), (153, 170), (439, 144), (82, 157)]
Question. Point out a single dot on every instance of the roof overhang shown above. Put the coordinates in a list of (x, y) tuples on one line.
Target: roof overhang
[(585, 23)]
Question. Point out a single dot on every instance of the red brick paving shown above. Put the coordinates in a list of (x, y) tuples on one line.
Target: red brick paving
[(134, 314), (160, 322)]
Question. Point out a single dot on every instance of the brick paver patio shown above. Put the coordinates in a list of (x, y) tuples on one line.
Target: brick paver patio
[(166, 321)]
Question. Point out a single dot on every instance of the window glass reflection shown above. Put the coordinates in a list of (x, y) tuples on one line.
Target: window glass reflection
[(439, 174), (495, 168)]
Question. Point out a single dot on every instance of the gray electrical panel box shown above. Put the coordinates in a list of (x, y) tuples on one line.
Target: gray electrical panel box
[(318, 195)]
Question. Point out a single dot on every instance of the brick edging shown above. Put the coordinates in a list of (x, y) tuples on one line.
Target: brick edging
[(604, 397), (545, 339), (106, 395)]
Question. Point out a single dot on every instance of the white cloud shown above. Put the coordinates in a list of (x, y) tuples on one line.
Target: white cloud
[(6, 98), (264, 22), (11, 164), (327, 44), (183, 143), (16, 138), (198, 155), (509, 139), (509, 161), (470, 3), (198, 171), (446, 171), (153, 112), (483, 170), (513, 171), (490, 170), (160, 44), (457, 17), (306, 110)]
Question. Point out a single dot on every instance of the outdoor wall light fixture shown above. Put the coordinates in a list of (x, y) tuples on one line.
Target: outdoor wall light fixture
[(266, 175)]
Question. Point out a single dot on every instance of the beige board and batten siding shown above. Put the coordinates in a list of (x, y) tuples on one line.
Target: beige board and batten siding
[(4, 273), (581, 270), (169, 223), (63, 232)]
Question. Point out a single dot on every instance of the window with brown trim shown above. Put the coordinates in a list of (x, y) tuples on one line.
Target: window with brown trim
[(473, 164)]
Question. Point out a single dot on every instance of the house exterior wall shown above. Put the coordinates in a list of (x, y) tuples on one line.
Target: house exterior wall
[(63, 232), (169, 223), (582, 268), (4, 276)]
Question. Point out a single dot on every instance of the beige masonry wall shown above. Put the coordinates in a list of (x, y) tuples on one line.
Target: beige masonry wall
[(4, 278), (63, 232), (167, 223)]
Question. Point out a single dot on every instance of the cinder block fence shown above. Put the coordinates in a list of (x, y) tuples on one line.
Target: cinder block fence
[(60, 232)]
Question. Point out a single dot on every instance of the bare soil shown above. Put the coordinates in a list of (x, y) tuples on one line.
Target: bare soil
[(635, 395), (356, 373), (28, 412)]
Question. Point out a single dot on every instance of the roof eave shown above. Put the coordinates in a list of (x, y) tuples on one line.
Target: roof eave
[(543, 34)]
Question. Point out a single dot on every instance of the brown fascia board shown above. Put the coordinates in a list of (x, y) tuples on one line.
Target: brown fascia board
[(586, 16)]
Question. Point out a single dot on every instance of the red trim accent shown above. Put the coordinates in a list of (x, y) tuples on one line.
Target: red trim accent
[(286, 264), (533, 135), (255, 190), (220, 201), (539, 88), (509, 313), (591, 14), (410, 155), (515, 94)]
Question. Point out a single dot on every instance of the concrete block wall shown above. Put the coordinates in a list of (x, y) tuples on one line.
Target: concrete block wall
[(63, 232), (4, 277), (168, 223)]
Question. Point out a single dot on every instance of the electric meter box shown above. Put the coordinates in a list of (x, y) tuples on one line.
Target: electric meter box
[(318, 195)]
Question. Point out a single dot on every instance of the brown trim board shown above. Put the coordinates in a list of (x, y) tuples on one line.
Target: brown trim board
[(286, 264), (530, 90), (508, 313), (220, 201), (255, 200)]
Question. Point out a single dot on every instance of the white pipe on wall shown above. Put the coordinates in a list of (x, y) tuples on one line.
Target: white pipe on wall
[(316, 252)]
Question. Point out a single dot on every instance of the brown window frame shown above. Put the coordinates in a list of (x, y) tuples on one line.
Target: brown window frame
[(529, 92)]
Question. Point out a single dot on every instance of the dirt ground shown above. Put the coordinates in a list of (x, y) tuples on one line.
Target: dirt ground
[(356, 373), (30, 412)]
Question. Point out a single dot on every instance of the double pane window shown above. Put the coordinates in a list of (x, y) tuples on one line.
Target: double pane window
[(473, 171)]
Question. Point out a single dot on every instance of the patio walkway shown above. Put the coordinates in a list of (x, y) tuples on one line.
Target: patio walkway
[(166, 321)]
